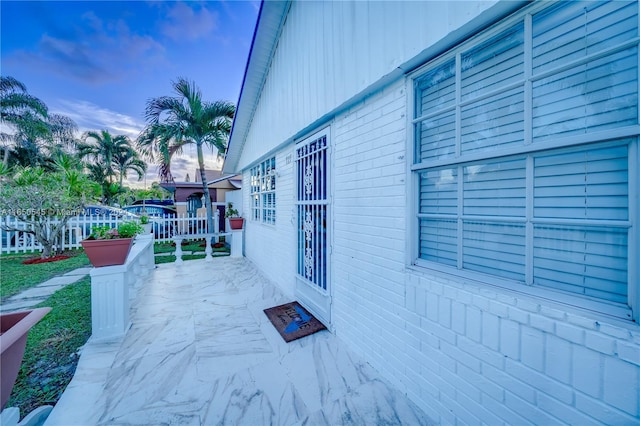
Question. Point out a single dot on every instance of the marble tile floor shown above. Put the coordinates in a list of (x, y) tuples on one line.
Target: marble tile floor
[(200, 351)]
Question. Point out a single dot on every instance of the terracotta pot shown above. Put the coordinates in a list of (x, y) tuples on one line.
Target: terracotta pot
[(107, 252), (13, 339), (236, 222)]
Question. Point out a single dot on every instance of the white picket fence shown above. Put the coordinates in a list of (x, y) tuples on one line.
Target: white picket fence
[(79, 227)]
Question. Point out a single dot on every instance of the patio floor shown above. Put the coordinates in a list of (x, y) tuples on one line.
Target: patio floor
[(201, 352)]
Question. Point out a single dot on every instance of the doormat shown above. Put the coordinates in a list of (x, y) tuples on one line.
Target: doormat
[(293, 321)]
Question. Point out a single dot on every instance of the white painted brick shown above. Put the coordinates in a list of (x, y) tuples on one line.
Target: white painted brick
[(458, 317), (553, 313), (529, 411), (507, 299), (510, 338), (539, 381), (587, 371), (462, 406), (527, 305), (506, 382), (481, 302), (506, 414), (629, 351), (621, 385), (432, 306), (486, 416), (444, 333), (421, 302), (518, 315), (582, 321), (410, 298), (490, 331), (498, 308), (532, 348), (460, 356), (542, 323), (605, 414), (618, 332), (564, 412), (558, 359), (450, 292), (464, 297), (483, 353), (570, 332), (474, 323), (444, 312), (600, 342), (481, 382)]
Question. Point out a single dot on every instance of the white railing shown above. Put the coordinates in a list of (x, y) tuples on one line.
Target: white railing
[(79, 227)]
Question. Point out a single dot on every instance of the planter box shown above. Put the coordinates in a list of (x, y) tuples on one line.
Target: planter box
[(236, 222), (13, 339), (107, 252)]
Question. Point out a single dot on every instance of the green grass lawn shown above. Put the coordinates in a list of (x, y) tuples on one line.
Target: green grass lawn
[(16, 277), (191, 246), (51, 357)]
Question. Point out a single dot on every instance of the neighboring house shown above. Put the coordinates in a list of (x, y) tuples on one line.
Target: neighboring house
[(188, 196), (452, 187)]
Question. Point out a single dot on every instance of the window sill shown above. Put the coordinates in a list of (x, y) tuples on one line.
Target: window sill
[(584, 306)]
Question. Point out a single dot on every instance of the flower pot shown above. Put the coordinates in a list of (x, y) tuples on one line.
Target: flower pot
[(147, 227), (107, 252), (236, 222), (13, 339)]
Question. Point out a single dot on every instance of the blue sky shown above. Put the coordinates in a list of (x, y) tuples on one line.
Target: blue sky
[(98, 62)]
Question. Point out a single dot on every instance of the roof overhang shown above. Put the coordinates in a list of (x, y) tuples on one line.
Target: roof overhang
[(265, 38), (271, 19)]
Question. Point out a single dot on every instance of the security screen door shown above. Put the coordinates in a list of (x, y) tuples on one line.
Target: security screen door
[(312, 199)]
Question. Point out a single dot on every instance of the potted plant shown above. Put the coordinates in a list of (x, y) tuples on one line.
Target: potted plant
[(235, 221), (146, 224), (108, 246)]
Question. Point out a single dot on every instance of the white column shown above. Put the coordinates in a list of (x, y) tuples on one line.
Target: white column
[(237, 249), (109, 301)]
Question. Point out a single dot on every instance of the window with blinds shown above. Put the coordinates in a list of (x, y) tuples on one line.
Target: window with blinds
[(524, 150), (263, 191)]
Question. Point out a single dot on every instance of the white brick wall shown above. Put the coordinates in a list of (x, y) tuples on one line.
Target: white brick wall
[(463, 351), (272, 247)]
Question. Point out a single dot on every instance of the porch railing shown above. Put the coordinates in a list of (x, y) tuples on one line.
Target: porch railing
[(79, 227)]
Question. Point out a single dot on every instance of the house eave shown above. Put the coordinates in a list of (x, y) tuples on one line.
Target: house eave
[(270, 21)]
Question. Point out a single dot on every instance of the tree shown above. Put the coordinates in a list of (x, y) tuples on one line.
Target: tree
[(129, 160), (104, 151), (21, 111), (44, 201), (173, 122)]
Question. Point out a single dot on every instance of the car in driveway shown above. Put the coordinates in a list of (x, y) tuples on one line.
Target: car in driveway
[(160, 216)]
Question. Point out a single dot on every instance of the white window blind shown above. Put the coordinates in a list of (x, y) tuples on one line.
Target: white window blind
[(523, 138)]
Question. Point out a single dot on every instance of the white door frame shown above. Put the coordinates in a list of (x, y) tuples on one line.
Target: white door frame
[(313, 286)]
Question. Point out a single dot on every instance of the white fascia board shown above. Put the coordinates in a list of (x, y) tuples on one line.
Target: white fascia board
[(265, 39)]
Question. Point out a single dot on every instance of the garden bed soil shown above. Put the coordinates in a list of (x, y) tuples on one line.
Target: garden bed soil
[(37, 260)]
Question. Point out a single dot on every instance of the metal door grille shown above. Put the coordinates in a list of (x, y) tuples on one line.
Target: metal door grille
[(312, 202)]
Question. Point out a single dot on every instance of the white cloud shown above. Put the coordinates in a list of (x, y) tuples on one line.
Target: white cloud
[(90, 116), (185, 23)]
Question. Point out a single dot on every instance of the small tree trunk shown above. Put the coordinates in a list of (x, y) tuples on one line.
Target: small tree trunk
[(205, 188)]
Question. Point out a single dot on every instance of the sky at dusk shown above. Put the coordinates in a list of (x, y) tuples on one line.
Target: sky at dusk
[(98, 62)]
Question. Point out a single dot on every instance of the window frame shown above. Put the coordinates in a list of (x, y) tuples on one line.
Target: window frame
[(261, 175), (630, 311)]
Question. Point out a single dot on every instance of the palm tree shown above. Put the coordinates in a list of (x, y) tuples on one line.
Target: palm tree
[(124, 161), (102, 149), (173, 122), (20, 110)]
